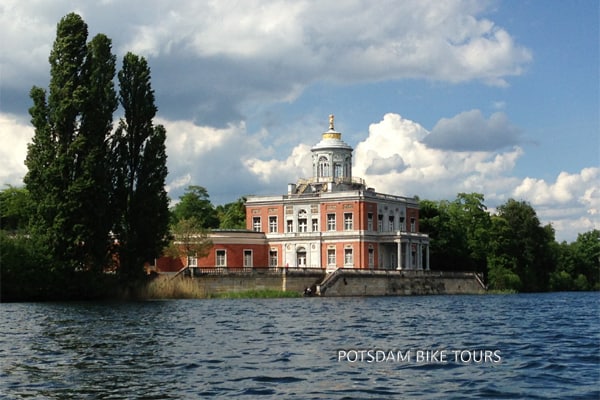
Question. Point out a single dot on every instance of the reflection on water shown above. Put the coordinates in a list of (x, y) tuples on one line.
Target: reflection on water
[(289, 347)]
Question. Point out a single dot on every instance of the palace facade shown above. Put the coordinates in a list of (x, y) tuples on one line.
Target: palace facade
[(333, 220), (328, 221)]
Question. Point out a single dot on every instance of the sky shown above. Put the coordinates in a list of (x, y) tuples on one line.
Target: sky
[(436, 97)]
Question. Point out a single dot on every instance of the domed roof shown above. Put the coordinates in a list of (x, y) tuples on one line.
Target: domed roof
[(331, 139)]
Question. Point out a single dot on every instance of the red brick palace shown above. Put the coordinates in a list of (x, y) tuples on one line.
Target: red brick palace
[(331, 220)]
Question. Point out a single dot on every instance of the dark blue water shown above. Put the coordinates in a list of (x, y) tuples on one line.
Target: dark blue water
[(539, 346)]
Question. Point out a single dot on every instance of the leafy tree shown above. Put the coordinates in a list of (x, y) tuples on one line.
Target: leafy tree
[(501, 265), (139, 172), (67, 157), (458, 232), (587, 250), (195, 203), (16, 209), (23, 262), (232, 215), (524, 244), (447, 242), (470, 213), (190, 239)]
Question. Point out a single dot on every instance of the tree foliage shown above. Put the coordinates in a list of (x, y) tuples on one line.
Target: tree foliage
[(189, 239), (526, 243), (67, 175), (139, 172), (84, 181), (458, 230), (195, 203), (512, 248), (16, 209), (232, 215)]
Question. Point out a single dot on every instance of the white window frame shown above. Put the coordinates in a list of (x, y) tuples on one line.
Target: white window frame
[(331, 222), (331, 257), (272, 224), (302, 225), (220, 258), (348, 221), (273, 257), (256, 226), (248, 262), (349, 256)]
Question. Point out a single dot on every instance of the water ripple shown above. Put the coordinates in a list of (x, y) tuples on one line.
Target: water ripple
[(289, 348)]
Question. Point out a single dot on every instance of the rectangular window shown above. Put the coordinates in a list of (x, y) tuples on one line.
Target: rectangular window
[(413, 224), (290, 225), (348, 221), (370, 221), (315, 225), (302, 225), (192, 261), (380, 223), (348, 259), (330, 256), (221, 258), (272, 258), (331, 222), (256, 224), (272, 224), (391, 223), (247, 258), (371, 258)]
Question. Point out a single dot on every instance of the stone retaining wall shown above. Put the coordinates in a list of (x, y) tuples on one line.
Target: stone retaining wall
[(341, 283), (398, 283)]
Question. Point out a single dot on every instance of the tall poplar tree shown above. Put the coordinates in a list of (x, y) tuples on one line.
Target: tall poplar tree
[(139, 172), (67, 158)]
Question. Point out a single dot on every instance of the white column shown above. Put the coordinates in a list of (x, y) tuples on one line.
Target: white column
[(427, 253), (399, 254)]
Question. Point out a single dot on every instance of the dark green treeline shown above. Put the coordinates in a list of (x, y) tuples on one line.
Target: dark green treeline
[(510, 247)]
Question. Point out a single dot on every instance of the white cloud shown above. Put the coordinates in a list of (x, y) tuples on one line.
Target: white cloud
[(571, 203), (470, 131), (429, 173), (568, 188), (14, 136), (218, 56), (230, 162)]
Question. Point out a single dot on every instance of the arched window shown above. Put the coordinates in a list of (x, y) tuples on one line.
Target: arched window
[(301, 257), (337, 170), (302, 221), (347, 167), (323, 168)]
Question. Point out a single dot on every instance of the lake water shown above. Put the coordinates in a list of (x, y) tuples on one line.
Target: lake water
[(488, 346)]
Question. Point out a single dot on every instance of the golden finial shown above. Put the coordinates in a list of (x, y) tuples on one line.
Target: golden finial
[(331, 133)]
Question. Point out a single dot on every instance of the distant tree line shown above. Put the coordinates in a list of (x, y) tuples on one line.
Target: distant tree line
[(511, 247)]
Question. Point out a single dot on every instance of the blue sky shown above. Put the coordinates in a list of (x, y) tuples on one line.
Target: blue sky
[(437, 98)]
